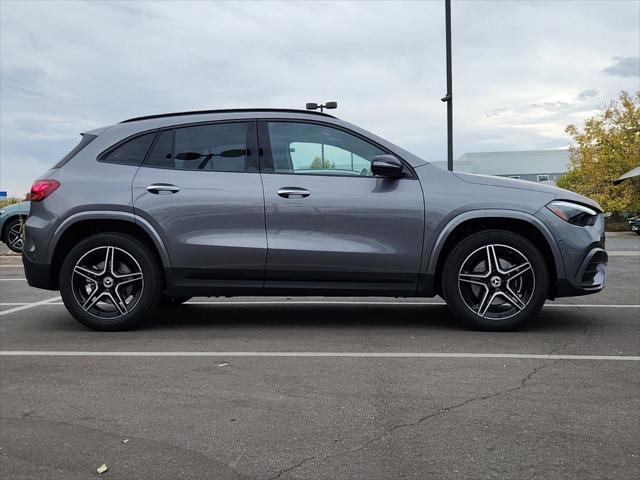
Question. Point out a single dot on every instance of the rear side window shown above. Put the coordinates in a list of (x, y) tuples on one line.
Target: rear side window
[(131, 152), (217, 147), (84, 141)]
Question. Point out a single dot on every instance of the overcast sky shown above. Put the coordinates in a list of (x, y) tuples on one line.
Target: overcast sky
[(523, 69)]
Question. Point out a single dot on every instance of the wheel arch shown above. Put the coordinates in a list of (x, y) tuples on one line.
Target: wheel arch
[(470, 222), (83, 224)]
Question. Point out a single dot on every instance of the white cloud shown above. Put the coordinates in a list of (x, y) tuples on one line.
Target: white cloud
[(522, 70)]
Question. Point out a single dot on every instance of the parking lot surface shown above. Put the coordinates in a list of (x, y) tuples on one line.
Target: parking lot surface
[(315, 388)]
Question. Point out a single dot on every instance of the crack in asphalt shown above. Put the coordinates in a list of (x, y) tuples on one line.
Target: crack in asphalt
[(387, 432)]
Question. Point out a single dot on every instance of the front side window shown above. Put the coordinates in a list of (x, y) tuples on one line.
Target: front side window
[(215, 147), (310, 149), (131, 152)]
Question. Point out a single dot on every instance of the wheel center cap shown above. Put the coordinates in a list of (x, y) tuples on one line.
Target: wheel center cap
[(107, 282), (496, 281)]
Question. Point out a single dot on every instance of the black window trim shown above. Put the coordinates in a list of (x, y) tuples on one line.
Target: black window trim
[(102, 157), (252, 143), (266, 158)]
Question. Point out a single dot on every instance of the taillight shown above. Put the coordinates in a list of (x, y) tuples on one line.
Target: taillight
[(41, 189)]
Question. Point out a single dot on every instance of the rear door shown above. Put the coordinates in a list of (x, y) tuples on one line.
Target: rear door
[(333, 227), (200, 188)]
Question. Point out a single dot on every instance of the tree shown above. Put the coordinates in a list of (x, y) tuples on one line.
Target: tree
[(607, 147), (318, 163)]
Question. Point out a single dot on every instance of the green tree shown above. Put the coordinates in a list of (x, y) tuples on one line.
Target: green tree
[(606, 148), (318, 163)]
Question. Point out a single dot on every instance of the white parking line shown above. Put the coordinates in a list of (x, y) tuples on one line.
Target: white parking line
[(520, 356), (623, 253), (11, 265), (28, 305), (13, 279)]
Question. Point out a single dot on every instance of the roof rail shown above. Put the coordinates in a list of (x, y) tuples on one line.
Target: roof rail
[(230, 110)]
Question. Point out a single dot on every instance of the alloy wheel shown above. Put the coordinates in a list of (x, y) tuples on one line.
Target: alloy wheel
[(496, 281), (15, 235), (107, 282)]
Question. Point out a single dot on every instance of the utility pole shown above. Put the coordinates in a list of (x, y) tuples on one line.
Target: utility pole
[(448, 98)]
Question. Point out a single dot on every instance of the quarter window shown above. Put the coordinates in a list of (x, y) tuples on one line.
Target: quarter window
[(131, 152), (310, 149), (216, 147)]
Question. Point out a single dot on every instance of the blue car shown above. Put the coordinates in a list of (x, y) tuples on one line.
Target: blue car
[(12, 218)]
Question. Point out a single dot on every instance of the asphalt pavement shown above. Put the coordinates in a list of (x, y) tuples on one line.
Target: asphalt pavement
[(316, 388)]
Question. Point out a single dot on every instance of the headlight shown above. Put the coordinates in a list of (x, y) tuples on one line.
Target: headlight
[(574, 213), (2, 211)]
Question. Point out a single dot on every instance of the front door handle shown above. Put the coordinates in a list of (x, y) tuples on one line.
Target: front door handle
[(162, 188), (293, 192)]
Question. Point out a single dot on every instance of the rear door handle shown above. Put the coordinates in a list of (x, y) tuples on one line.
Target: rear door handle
[(293, 192), (162, 188)]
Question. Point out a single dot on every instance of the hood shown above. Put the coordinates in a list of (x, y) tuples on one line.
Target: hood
[(559, 193), (22, 206)]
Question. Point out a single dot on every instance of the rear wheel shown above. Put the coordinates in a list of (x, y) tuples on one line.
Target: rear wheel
[(495, 280), (14, 234), (110, 281)]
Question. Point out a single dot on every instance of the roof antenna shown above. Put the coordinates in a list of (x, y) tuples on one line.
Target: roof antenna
[(328, 106), (449, 96)]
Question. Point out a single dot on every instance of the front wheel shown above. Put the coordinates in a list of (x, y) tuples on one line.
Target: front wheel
[(14, 234), (110, 281), (495, 280)]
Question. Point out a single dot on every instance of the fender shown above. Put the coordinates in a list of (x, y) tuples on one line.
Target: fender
[(433, 255), (109, 215)]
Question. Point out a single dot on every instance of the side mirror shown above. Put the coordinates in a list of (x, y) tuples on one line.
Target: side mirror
[(386, 166)]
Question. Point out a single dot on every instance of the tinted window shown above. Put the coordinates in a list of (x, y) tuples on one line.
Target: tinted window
[(161, 154), (218, 147), (131, 152), (306, 148), (84, 141)]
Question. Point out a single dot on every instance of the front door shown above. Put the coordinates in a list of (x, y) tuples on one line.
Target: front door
[(200, 188), (333, 227)]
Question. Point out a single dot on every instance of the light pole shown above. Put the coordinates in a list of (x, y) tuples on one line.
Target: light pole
[(449, 96), (328, 106)]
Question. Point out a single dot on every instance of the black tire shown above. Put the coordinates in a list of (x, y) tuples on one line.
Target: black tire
[(482, 303), (80, 274), (168, 301), (9, 234)]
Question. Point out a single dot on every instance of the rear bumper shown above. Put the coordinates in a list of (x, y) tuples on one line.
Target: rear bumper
[(39, 275), (591, 276)]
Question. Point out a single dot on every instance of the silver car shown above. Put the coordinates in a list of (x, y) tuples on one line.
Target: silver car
[(157, 209)]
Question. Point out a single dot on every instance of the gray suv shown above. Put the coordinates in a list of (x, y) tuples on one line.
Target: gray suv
[(157, 209)]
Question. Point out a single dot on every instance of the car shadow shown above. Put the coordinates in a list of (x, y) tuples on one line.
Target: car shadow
[(332, 315)]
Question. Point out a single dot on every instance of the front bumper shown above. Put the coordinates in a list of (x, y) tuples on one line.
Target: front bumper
[(591, 276), (584, 258)]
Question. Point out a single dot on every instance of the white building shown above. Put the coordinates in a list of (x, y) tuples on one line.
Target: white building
[(533, 165)]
